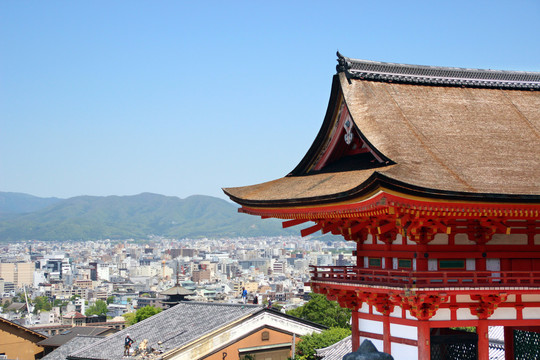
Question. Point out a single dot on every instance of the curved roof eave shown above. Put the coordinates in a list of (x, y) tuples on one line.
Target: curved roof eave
[(380, 181)]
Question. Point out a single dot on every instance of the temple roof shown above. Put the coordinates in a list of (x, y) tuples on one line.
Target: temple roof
[(464, 134), (177, 290)]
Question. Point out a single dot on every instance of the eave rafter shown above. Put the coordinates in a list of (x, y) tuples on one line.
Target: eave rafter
[(386, 215)]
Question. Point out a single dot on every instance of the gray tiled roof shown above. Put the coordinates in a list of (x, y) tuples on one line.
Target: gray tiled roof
[(174, 327), (72, 345), (65, 336), (336, 351), (437, 75)]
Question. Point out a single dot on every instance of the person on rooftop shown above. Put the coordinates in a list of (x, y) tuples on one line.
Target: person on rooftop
[(127, 344)]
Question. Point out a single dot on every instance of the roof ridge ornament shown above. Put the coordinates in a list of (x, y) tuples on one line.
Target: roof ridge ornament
[(343, 65)]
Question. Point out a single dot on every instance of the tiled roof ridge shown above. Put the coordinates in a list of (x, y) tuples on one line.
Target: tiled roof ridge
[(9, 322), (219, 304), (437, 75)]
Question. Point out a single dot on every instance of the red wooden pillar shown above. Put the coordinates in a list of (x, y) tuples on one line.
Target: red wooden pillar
[(483, 340), (424, 341), (355, 331), (508, 343), (387, 344)]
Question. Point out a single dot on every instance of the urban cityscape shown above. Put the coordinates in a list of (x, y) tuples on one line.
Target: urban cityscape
[(130, 275)]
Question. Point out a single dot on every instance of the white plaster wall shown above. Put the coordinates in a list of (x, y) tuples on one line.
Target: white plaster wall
[(462, 239), (470, 264), (503, 314), (464, 298), (465, 314), (493, 265), (396, 312), (537, 239), (512, 239), (371, 326), (531, 313), (439, 239), (512, 298), (530, 297), (409, 316), (376, 312), (364, 309), (369, 239), (442, 314), (404, 331), (404, 352)]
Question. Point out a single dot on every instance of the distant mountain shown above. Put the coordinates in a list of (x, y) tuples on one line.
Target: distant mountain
[(124, 217), (18, 203)]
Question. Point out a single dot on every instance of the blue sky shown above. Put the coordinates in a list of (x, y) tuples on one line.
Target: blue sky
[(182, 98)]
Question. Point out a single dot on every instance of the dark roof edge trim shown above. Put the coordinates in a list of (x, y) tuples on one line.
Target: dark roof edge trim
[(437, 75), (377, 180)]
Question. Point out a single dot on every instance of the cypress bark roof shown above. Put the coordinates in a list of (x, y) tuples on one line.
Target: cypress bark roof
[(442, 132)]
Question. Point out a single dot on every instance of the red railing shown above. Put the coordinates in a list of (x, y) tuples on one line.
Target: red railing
[(404, 278)]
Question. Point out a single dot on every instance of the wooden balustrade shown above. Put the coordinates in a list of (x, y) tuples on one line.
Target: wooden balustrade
[(404, 278)]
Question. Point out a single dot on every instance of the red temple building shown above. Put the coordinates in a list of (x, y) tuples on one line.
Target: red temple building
[(434, 173)]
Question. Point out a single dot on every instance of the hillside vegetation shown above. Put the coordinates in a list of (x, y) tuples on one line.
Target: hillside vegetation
[(123, 217)]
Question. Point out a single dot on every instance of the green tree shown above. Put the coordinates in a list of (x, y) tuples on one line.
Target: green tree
[(59, 302), (99, 308), (42, 303), (324, 312), (146, 312), (305, 349), (130, 318), (110, 300)]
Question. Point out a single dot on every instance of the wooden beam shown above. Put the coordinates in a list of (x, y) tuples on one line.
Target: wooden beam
[(331, 227), (310, 230), (293, 222)]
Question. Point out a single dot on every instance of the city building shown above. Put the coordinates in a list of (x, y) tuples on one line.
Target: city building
[(435, 174), (18, 273), (19, 342)]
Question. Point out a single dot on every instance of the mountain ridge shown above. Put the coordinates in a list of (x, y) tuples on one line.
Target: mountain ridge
[(131, 216)]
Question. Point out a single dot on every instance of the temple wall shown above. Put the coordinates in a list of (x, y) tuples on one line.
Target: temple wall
[(404, 331), (364, 309), (397, 312), (440, 239), (464, 299), (530, 298), (504, 314), (465, 314), (442, 314), (512, 239), (371, 326), (463, 239), (531, 313), (403, 351)]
